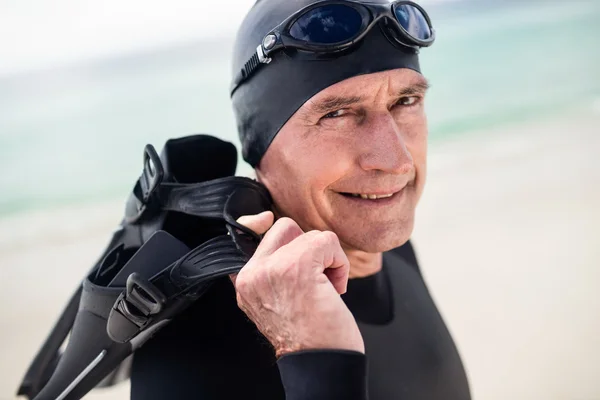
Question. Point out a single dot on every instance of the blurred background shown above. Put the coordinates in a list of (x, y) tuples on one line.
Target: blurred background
[(508, 229)]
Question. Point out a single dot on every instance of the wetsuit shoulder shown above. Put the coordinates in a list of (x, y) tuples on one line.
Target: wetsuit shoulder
[(411, 352)]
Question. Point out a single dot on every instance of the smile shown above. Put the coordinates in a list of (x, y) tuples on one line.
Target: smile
[(370, 196), (379, 197)]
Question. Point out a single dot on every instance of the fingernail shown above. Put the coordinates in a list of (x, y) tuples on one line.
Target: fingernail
[(244, 219), (249, 218)]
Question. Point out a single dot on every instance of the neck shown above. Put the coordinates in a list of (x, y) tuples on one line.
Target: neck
[(363, 264)]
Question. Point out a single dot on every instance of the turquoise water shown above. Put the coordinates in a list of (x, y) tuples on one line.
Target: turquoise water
[(75, 135)]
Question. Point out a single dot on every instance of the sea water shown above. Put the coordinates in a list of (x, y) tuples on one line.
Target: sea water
[(75, 134)]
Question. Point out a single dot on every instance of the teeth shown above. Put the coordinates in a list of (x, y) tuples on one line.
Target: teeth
[(372, 196)]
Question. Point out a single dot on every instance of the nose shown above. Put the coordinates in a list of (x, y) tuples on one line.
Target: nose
[(383, 147)]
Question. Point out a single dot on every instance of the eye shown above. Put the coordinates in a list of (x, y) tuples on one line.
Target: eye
[(408, 101), (336, 113)]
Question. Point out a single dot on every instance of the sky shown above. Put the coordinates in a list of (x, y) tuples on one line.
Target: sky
[(40, 34)]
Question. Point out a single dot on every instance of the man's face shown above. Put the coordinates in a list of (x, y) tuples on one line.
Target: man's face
[(352, 160)]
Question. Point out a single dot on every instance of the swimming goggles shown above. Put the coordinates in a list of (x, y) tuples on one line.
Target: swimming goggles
[(333, 26)]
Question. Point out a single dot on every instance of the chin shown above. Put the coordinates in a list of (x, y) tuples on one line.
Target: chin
[(379, 237)]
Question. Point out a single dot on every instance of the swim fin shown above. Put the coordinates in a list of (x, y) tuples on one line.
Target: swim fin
[(179, 233)]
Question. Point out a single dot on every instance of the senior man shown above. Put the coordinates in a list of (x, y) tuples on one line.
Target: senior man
[(329, 101)]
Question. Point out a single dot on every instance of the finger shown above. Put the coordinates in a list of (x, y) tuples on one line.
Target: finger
[(335, 262), (325, 249), (259, 223), (281, 233), (338, 276)]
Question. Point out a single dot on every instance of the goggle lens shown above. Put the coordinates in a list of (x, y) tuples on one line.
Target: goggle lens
[(413, 21), (329, 24)]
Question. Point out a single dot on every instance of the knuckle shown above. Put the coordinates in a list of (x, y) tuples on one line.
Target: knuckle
[(329, 235), (287, 225), (285, 222), (242, 283), (326, 238), (251, 280)]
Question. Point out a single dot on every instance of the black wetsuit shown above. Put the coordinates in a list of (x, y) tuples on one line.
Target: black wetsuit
[(213, 351)]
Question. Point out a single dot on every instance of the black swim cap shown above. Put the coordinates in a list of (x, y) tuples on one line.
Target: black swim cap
[(264, 103)]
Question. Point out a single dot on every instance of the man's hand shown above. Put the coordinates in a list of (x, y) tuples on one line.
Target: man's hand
[(291, 288)]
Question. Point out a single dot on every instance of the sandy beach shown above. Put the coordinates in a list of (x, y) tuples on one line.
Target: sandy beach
[(508, 233)]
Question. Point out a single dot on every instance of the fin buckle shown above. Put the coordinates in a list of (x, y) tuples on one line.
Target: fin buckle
[(145, 194), (134, 309), (152, 175)]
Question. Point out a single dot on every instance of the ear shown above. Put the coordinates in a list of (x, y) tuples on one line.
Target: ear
[(263, 178), (259, 174)]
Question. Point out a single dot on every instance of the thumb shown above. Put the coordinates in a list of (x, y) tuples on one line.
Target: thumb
[(259, 223)]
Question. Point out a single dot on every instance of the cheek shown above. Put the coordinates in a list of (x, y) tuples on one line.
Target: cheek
[(299, 176), (321, 158), (414, 131), (420, 160), (413, 128), (417, 145)]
